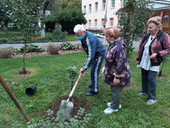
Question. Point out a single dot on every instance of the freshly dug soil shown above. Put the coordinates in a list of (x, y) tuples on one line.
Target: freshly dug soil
[(83, 103)]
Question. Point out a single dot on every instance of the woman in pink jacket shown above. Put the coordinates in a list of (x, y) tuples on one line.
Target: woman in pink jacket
[(153, 47)]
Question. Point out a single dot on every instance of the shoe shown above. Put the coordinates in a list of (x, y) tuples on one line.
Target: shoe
[(110, 110), (150, 101), (142, 94), (91, 93), (109, 103), (88, 86)]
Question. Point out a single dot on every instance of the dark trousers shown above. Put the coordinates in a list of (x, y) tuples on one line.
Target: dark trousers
[(95, 70), (149, 83), (116, 95)]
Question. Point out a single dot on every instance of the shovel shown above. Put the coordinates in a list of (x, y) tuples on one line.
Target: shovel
[(67, 105)]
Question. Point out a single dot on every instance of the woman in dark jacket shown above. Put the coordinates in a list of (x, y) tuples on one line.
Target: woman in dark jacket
[(117, 71), (153, 47)]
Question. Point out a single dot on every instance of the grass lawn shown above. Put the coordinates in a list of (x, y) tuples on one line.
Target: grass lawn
[(49, 76)]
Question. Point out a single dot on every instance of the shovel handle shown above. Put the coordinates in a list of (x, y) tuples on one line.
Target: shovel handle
[(74, 87), (14, 99)]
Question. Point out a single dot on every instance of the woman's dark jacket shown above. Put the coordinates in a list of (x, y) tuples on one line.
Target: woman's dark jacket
[(116, 62)]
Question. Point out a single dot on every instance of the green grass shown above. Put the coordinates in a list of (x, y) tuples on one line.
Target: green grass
[(70, 38), (49, 76)]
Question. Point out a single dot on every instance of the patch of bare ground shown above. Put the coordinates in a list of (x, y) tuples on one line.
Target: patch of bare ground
[(78, 103)]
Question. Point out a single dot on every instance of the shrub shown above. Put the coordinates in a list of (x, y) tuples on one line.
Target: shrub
[(2, 39), (6, 52), (31, 48), (16, 51), (17, 38), (53, 49), (69, 46), (41, 38), (57, 33), (71, 72)]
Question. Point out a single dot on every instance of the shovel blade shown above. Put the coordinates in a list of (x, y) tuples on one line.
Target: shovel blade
[(68, 107)]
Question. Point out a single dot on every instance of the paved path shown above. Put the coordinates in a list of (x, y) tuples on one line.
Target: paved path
[(135, 44)]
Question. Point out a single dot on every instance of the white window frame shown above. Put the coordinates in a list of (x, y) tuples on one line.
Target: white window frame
[(89, 22), (113, 1), (103, 4), (90, 8), (84, 8), (123, 3), (95, 22), (111, 21), (96, 6)]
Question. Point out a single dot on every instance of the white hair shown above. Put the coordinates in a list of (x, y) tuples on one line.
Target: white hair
[(79, 27)]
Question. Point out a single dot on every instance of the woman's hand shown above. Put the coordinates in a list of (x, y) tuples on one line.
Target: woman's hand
[(153, 56), (137, 62), (116, 81)]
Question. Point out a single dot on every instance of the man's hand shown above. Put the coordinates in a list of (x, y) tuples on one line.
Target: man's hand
[(81, 70)]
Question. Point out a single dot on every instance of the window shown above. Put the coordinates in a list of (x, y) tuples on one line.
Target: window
[(89, 8), (103, 4), (123, 3), (113, 3), (89, 22), (111, 21), (102, 22), (95, 22), (84, 9), (96, 6)]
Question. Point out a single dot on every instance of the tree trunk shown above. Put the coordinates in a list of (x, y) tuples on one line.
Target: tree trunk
[(24, 53)]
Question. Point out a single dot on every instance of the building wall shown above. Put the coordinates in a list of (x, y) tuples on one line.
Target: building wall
[(95, 11), (162, 8)]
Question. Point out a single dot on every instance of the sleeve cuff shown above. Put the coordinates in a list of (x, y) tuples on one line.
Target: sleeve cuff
[(158, 54), (84, 68), (137, 59)]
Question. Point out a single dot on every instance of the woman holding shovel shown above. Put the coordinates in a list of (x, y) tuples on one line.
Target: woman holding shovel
[(117, 70)]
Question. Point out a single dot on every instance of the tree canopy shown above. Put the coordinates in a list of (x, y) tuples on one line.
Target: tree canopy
[(66, 13), (133, 18)]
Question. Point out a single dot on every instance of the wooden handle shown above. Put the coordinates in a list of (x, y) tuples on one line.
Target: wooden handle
[(74, 87), (14, 99)]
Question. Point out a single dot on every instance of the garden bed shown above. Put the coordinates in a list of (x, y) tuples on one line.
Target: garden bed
[(47, 53)]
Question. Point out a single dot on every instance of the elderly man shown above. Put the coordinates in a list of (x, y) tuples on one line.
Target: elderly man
[(95, 54)]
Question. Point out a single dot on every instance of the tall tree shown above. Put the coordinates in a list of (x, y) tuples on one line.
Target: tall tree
[(71, 15), (133, 18), (5, 13), (25, 15), (55, 9)]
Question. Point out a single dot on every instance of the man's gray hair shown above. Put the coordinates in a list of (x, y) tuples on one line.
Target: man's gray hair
[(79, 27)]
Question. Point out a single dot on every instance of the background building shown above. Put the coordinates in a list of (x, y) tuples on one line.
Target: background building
[(162, 8), (95, 11)]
